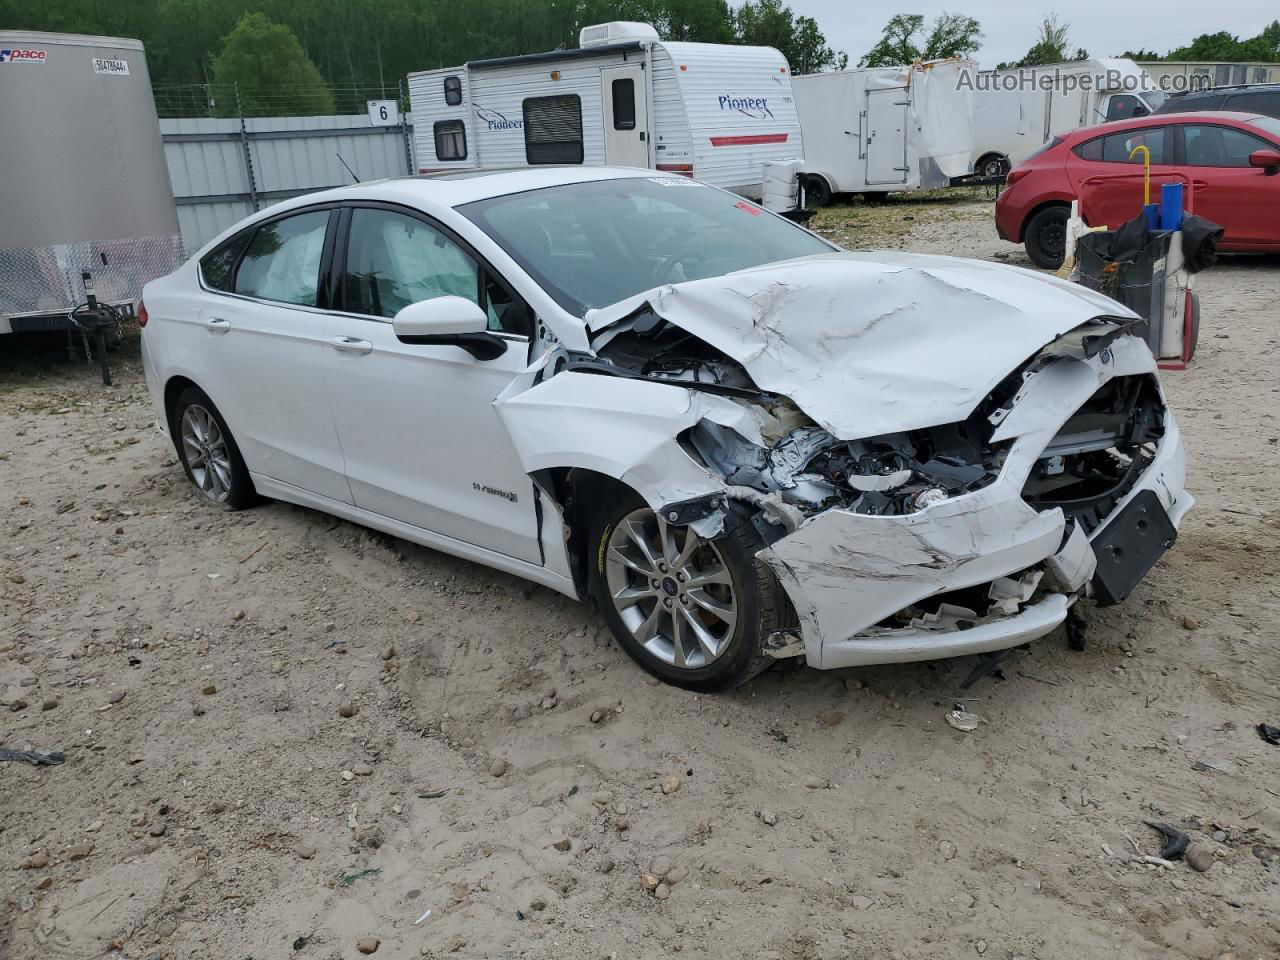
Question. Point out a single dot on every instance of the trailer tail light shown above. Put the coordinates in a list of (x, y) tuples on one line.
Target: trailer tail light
[(142, 314), (684, 169)]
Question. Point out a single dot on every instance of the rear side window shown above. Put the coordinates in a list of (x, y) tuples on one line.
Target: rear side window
[(1214, 146), (1266, 102), (218, 268), (451, 140), (282, 261), (1117, 147), (553, 129)]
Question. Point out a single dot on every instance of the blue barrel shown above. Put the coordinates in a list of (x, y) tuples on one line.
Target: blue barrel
[(1170, 206)]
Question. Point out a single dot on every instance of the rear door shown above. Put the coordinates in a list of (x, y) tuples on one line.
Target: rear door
[(886, 136), (1109, 182), (1243, 200), (266, 344), (626, 112)]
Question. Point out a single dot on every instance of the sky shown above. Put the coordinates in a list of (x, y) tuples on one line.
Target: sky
[(1103, 27)]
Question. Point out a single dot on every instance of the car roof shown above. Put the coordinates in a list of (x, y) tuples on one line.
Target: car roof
[(1157, 119), (453, 189), (1228, 89)]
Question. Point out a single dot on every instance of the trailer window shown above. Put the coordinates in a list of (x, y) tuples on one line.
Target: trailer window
[(451, 140), (452, 91), (553, 129), (624, 104)]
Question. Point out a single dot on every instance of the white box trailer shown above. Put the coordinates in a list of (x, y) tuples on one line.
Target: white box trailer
[(884, 129), (624, 98), (1019, 110), (83, 181)]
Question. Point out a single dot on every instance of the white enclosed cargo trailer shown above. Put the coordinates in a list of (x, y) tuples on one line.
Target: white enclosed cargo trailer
[(885, 129), (1018, 111), (83, 182), (624, 98)]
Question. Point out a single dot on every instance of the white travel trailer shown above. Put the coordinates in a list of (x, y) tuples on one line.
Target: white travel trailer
[(1018, 111), (885, 128), (625, 98)]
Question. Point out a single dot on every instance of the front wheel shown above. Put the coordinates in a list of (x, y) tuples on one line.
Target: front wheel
[(692, 612), (1045, 237)]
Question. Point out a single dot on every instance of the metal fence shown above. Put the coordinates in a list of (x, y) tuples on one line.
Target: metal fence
[(224, 168)]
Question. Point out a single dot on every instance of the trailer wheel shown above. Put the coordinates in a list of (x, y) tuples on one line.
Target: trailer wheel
[(1045, 237), (817, 192), (993, 165)]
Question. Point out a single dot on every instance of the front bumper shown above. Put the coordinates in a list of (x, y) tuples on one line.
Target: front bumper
[(847, 572)]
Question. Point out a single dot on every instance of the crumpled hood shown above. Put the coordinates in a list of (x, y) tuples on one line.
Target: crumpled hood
[(874, 343)]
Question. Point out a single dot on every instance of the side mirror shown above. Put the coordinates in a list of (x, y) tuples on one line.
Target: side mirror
[(451, 321), (1140, 111), (1269, 160)]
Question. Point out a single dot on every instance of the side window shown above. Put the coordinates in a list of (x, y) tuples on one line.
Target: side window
[(451, 140), (394, 260), (1266, 102), (1123, 106), (282, 261), (1212, 146), (217, 267), (553, 129), (452, 91), (1117, 147), (624, 103)]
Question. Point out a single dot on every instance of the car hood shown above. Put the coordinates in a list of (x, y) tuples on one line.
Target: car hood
[(874, 343)]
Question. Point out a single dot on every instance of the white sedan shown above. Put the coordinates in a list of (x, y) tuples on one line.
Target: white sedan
[(740, 442)]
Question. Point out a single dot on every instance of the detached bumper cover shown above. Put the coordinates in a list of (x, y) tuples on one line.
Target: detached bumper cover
[(846, 572)]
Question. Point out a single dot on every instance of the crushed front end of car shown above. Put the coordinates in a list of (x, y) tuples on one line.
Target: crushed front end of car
[(939, 456)]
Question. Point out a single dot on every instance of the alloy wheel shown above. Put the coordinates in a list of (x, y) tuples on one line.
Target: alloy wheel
[(671, 589), (205, 450)]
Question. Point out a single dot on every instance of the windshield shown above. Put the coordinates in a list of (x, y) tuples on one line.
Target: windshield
[(1154, 98), (592, 244)]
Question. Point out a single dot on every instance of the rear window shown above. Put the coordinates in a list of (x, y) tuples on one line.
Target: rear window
[(1045, 149)]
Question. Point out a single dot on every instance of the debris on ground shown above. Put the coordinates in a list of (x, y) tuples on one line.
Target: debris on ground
[(1269, 733), (36, 758), (963, 720), (1175, 841)]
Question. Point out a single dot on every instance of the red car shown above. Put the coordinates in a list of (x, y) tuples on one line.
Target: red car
[(1228, 162)]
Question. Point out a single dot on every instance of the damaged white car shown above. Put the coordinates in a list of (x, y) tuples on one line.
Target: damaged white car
[(739, 441)]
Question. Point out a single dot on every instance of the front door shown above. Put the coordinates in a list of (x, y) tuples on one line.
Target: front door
[(626, 116), (887, 136), (420, 436), (1242, 199)]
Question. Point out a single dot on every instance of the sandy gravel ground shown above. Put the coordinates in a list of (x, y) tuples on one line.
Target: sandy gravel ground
[(503, 765)]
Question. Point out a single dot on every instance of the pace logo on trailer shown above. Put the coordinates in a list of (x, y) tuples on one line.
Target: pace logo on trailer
[(20, 55)]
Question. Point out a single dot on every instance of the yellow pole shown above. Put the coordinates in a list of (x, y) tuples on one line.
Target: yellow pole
[(1146, 173)]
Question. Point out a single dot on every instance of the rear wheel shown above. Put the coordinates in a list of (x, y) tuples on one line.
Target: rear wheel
[(692, 612), (1045, 237), (209, 453)]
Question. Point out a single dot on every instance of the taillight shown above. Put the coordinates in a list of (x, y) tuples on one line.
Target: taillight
[(1015, 175), (142, 314)]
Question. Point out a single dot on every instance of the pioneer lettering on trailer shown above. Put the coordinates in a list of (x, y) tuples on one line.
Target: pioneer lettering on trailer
[(494, 491), (497, 121), (755, 107)]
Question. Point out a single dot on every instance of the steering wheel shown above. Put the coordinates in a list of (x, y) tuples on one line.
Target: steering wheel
[(689, 250)]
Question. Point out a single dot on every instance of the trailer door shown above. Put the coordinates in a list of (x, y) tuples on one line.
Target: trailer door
[(626, 116), (887, 136)]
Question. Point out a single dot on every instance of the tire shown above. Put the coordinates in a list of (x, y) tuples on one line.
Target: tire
[(1045, 237), (993, 165), (743, 585), (202, 438), (817, 192)]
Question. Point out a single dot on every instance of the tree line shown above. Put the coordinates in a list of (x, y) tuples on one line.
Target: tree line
[(296, 55)]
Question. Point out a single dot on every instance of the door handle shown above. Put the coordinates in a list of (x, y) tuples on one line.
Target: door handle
[(217, 325), (352, 345)]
